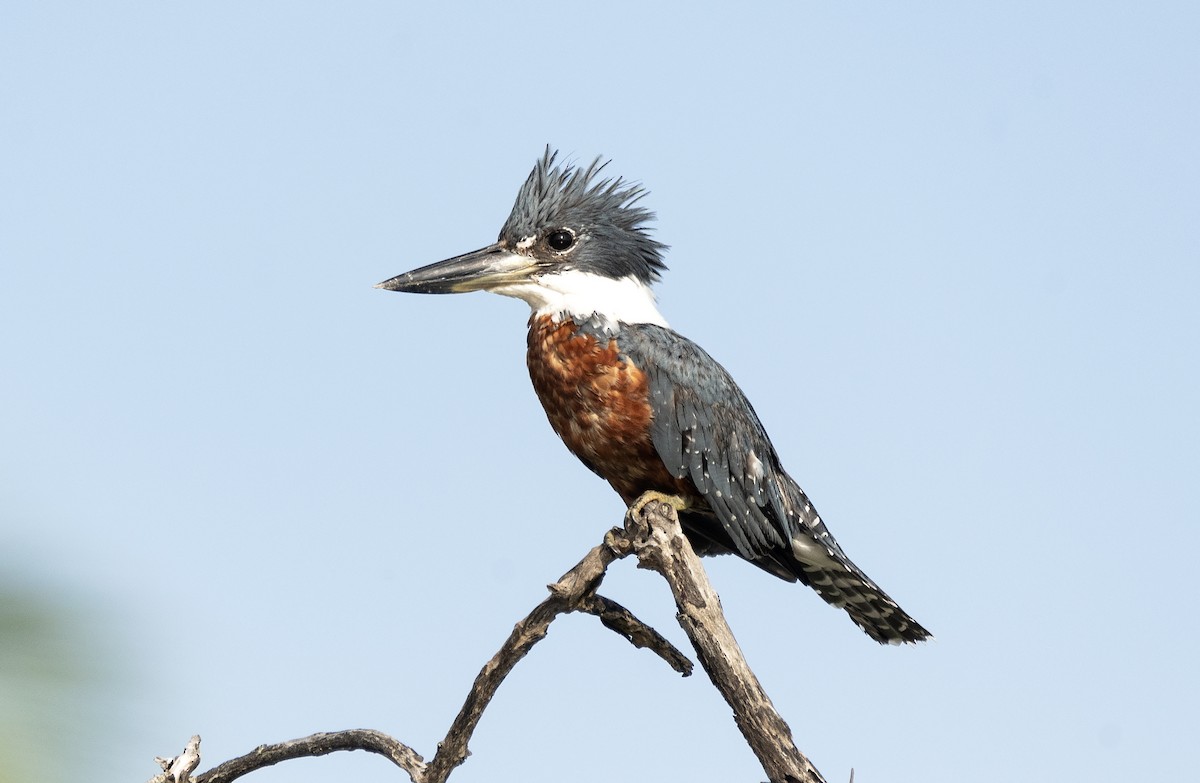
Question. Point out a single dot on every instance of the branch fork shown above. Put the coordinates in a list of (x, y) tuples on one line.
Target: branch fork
[(652, 533)]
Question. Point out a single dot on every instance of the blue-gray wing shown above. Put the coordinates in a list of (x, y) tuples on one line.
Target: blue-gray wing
[(705, 430)]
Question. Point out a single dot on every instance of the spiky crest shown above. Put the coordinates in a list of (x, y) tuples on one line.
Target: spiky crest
[(559, 195)]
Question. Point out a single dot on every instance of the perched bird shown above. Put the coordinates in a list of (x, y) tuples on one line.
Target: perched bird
[(641, 406)]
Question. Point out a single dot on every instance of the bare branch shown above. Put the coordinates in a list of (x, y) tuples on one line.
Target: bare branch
[(661, 546), (652, 532), (574, 591), (319, 745)]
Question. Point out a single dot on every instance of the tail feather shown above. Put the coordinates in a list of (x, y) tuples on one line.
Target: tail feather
[(815, 559), (819, 562), (843, 585)]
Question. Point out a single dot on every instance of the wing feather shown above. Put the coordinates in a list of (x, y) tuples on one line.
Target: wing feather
[(704, 429)]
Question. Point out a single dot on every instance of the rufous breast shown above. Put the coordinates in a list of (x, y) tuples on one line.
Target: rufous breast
[(599, 404)]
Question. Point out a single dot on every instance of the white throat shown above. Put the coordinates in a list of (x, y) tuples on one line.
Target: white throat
[(582, 296)]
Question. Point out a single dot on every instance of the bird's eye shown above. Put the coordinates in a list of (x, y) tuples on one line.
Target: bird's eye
[(560, 240)]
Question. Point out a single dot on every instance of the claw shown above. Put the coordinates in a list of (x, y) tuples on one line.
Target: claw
[(638, 507)]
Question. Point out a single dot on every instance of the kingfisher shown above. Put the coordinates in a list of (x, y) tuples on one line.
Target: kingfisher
[(640, 405)]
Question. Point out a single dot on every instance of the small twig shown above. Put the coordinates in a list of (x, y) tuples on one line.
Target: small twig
[(179, 768), (619, 619)]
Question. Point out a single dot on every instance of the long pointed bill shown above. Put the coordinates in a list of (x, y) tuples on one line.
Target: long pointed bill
[(479, 270)]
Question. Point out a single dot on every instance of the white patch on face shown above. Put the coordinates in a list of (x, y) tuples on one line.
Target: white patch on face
[(526, 243), (582, 295)]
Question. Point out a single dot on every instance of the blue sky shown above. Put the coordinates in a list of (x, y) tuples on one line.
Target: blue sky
[(950, 253)]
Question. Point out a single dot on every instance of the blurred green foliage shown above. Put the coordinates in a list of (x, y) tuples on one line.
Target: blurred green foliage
[(49, 673)]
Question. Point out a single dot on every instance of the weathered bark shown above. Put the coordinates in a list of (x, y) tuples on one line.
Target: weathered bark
[(653, 534), (661, 546)]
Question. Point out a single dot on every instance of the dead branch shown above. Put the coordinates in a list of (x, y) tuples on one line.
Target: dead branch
[(661, 546), (655, 537), (317, 745), (573, 592)]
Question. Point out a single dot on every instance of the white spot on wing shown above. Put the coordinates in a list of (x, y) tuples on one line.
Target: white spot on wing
[(755, 467)]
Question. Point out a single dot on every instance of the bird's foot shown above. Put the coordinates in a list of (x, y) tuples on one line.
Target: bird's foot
[(637, 508), (648, 516), (623, 541)]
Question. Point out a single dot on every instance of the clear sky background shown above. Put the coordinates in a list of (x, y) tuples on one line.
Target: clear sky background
[(951, 254)]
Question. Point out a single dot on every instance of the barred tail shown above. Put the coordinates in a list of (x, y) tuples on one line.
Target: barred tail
[(819, 562)]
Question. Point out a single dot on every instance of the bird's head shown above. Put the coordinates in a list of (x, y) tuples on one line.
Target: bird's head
[(575, 245)]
